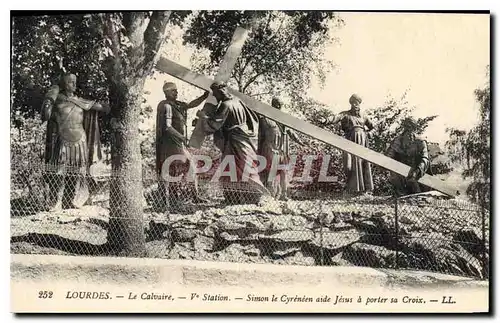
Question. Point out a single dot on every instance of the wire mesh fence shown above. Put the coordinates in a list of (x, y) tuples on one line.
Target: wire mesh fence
[(94, 215)]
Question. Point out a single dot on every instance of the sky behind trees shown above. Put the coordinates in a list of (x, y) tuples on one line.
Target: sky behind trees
[(440, 58)]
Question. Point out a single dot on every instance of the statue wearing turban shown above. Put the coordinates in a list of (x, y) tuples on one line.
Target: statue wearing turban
[(357, 128)]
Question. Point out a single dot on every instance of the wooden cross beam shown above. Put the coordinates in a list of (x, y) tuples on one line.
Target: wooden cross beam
[(231, 56), (203, 82)]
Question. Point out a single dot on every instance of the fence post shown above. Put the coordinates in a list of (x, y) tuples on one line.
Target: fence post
[(322, 253), (483, 230), (396, 229)]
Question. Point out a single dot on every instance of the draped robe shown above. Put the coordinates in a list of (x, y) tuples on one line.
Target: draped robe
[(271, 146), (238, 128), (358, 171)]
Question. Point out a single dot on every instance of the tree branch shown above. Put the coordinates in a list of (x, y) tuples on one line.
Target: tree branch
[(112, 33), (136, 24), (131, 21), (261, 93), (263, 71), (268, 42), (154, 37), (236, 75)]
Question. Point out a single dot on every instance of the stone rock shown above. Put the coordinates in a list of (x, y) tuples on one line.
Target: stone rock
[(307, 209), (251, 250), (336, 239), (270, 206), (242, 234), (421, 241), (379, 229), (181, 251), (209, 231), (435, 254), (258, 222), (344, 216), (455, 259), (369, 227), (186, 254), (298, 259), (202, 255), (184, 234), (362, 254), (290, 207), (257, 226), (159, 230), (201, 242), (241, 209), (287, 222), (415, 227), (233, 253), (185, 219), (405, 220), (337, 260), (98, 211), (287, 251), (327, 217), (282, 236), (100, 220), (290, 236), (236, 237), (470, 241), (341, 226)]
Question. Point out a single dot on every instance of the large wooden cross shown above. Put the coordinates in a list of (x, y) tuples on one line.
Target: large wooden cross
[(224, 73), (203, 82)]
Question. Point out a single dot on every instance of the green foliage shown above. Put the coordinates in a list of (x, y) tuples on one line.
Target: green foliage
[(284, 50), (456, 146), (388, 118), (46, 46), (475, 146), (388, 125), (472, 149), (27, 142)]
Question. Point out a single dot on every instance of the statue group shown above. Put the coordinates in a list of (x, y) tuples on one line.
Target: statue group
[(73, 145)]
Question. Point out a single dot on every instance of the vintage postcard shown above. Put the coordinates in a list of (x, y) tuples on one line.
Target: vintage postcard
[(250, 161)]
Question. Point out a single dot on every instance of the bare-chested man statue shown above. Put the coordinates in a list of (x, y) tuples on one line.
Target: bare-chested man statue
[(72, 143)]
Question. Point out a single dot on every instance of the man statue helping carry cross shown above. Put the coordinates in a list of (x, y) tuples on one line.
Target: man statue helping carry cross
[(171, 140)]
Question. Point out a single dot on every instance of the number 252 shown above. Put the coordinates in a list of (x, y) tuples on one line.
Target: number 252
[(45, 294)]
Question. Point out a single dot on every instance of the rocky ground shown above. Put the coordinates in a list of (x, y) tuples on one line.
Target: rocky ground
[(434, 235)]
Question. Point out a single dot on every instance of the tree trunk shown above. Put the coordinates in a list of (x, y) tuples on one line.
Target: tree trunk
[(126, 232), (127, 72)]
